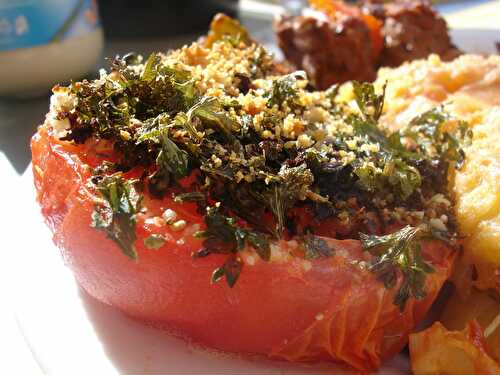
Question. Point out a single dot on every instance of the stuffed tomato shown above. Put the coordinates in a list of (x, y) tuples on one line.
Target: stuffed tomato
[(203, 193)]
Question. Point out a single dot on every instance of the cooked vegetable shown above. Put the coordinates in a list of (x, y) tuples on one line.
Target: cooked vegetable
[(157, 115), (475, 305), (201, 174), (436, 351)]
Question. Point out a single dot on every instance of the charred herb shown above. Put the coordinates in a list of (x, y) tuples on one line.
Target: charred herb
[(115, 212), (399, 253), (433, 140), (369, 103), (285, 90), (292, 185), (316, 247), (224, 236)]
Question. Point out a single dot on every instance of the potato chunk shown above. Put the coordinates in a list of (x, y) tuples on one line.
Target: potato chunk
[(437, 351)]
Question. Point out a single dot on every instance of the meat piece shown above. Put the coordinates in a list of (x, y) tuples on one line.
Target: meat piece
[(330, 51), (412, 30), (343, 42)]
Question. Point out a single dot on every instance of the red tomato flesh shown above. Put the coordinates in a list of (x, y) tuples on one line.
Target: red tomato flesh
[(327, 309)]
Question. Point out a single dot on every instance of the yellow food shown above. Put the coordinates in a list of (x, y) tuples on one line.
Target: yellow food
[(480, 306), (469, 87), (437, 351)]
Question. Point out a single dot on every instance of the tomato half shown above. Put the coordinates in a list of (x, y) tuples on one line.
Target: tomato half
[(289, 308)]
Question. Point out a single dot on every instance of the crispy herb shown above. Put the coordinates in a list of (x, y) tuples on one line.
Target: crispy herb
[(395, 175), (231, 270), (428, 132), (172, 162), (399, 252), (316, 247), (370, 104), (109, 106), (224, 236), (292, 185), (285, 90), (194, 196), (116, 213), (171, 158), (154, 241), (209, 110)]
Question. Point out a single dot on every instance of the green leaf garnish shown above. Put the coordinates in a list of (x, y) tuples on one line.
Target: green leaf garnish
[(285, 90), (224, 236), (369, 103), (231, 270), (400, 251), (116, 213), (396, 176), (171, 158), (293, 185), (427, 130)]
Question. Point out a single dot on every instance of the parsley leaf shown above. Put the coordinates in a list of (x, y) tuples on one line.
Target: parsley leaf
[(116, 213), (369, 103), (395, 175), (171, 158), (231, 270), (285, 90), (209, 110), (293, 185), (224, 236), (400, 251), (429, 133)]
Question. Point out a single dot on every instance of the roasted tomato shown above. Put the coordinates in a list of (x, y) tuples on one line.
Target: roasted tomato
[(290, 308)]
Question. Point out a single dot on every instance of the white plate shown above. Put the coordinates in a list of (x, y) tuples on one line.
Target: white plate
[(70, 333), (480, 41)]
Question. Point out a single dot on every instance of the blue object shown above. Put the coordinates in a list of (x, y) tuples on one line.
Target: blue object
[(28, 23)]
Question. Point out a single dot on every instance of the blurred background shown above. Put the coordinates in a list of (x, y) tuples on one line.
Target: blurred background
[(110, 27)]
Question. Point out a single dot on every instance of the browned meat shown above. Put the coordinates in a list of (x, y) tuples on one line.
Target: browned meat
[(413, 30), (340, 48), (329, 52)]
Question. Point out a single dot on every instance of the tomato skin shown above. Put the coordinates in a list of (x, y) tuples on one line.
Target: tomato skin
[(296, 310)]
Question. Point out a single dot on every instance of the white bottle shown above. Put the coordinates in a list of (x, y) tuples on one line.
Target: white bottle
[(43, 42)]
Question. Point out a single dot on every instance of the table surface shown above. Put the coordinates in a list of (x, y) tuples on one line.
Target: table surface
[(19, 119)]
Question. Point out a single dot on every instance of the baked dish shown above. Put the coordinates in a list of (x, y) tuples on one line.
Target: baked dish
[(204, 192)]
